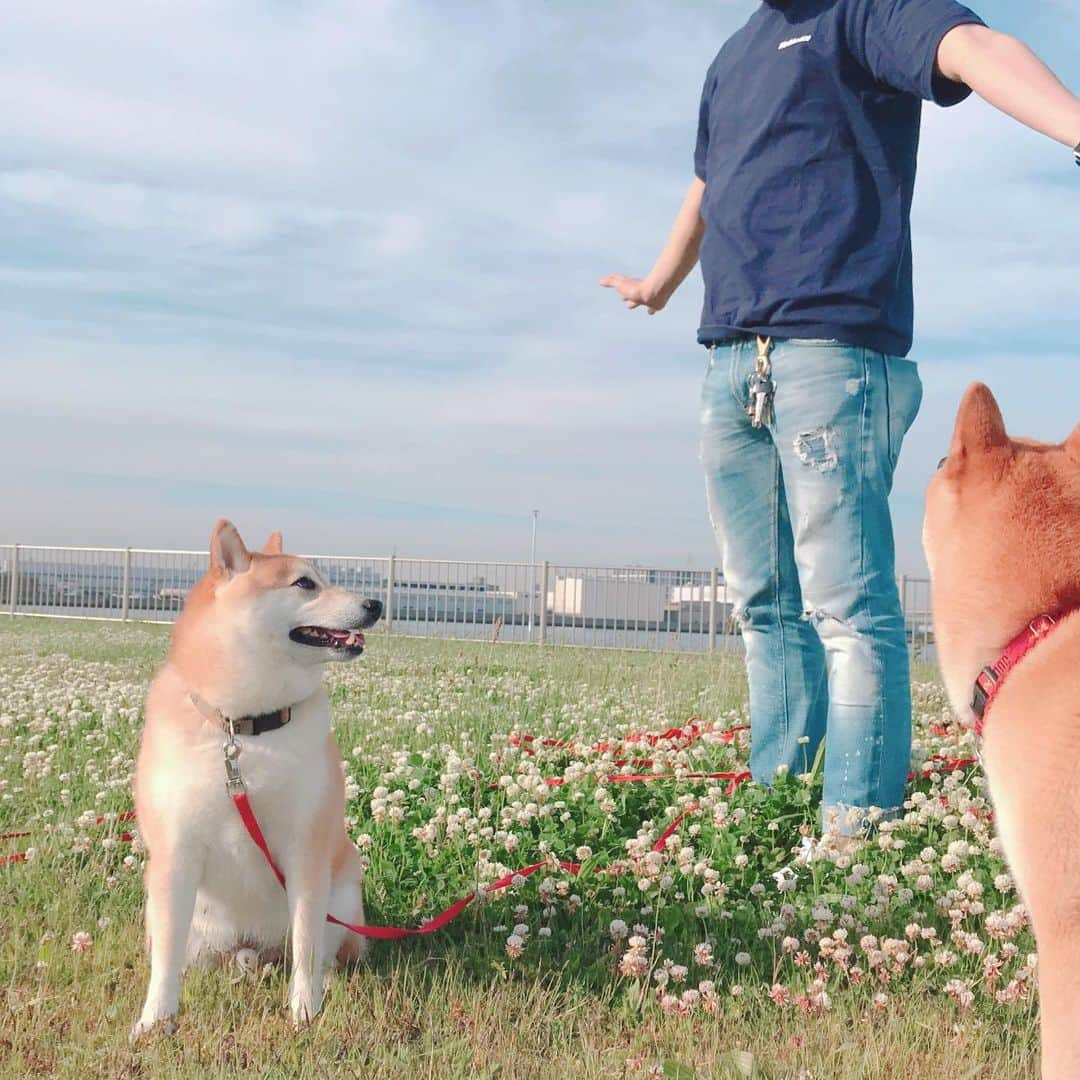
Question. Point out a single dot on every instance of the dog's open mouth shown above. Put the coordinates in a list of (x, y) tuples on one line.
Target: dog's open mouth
[(322, 637)]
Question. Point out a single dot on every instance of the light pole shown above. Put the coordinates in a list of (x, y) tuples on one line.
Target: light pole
[(532, 553)]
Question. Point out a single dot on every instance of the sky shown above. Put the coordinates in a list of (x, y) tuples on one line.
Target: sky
[(332, 268)]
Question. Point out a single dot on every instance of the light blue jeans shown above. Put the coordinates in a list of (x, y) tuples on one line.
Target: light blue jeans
[(801, 513)]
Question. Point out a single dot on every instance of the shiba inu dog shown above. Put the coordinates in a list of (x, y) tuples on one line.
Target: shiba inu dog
[(248, 651), (1001, 537)]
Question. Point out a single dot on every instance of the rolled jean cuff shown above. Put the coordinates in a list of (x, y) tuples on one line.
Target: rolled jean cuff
[(841, 820)]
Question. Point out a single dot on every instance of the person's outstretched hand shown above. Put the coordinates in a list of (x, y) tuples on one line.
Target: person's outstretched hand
[(635, 292)]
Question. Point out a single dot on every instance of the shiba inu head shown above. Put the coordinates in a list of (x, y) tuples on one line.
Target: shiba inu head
[(1000, 535), (260, 625)]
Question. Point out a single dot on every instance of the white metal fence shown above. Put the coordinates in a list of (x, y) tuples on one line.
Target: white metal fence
[(619, 607)]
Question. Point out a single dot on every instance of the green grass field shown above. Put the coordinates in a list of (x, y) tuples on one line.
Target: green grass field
[(721, 955)]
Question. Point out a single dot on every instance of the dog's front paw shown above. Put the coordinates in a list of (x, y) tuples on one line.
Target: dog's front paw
[(304, 1006), (165, 1025)]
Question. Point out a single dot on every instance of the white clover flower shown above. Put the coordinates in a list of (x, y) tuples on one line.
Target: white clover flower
[(786, 880)]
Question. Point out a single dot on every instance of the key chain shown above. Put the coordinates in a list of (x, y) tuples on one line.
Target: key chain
[(761, 386)]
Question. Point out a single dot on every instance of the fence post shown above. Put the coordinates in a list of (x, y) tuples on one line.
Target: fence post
[(544, 568), (728, 629), (13, 581), (388, 614), (713, 584), (532, 600), (125, 595)]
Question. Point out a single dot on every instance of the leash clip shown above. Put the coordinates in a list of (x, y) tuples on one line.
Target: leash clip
[(234, 781)]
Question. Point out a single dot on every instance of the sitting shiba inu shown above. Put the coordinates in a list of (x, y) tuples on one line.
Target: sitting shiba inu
[(247, 653), (1001, 537)]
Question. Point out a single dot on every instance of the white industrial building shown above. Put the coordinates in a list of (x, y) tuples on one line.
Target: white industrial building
[(613, 599)]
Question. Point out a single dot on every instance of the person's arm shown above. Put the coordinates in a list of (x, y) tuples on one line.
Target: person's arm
[(1007, 74), (678, 258)]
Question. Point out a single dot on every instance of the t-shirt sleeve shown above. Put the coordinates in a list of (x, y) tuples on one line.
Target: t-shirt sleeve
[(897, 42), (701, 151)]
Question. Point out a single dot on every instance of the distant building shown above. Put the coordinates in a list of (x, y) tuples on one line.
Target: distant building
[(628, 600)]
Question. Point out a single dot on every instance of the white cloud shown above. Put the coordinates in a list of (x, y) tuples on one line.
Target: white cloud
[(354, 245)]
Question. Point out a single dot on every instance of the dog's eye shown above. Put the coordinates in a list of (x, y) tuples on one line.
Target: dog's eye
[(305, 583)]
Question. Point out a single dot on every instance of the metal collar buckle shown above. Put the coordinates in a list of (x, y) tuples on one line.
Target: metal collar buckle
[(983, 686), (990, 678)]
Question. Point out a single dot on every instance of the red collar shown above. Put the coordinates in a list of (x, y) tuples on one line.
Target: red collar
[(988, 684)]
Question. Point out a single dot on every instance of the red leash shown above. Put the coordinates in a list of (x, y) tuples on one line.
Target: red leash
[(734, 778), (393, 933), (683, 737), (21, 856), (686, 736)]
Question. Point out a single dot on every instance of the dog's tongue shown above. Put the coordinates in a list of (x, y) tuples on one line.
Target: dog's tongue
[(325, 635)]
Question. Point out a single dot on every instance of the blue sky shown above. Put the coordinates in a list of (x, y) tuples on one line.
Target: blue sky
[(331, 267)]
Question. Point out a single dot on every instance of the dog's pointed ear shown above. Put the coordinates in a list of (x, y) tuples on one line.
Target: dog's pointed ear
[(273, 545), (979, 426), (1072, 444), (227, 551)]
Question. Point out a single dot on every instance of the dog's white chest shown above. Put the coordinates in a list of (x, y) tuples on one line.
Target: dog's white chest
[(239, 900)]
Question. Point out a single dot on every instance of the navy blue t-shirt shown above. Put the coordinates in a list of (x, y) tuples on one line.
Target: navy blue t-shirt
[(807, 143)]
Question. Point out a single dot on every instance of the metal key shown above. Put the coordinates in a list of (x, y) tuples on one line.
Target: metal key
[(761, 387)]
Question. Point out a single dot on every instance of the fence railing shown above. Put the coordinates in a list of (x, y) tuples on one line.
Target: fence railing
[(544, 603)]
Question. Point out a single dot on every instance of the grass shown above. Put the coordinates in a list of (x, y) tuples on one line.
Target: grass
[(424, 727)]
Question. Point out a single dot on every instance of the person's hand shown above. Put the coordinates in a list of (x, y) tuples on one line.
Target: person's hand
[(635, 292)]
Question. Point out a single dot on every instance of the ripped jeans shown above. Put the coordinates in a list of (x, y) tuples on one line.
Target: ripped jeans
[(801, 514)]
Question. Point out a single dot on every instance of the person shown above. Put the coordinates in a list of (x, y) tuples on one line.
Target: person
[(800, 215)]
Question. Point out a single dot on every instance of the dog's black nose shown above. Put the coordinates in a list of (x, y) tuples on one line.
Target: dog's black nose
[(373, 608)]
